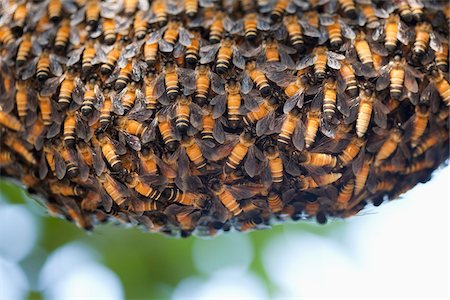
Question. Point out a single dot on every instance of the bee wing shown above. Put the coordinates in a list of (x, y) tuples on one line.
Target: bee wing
[(333, 60), (82, 129), (43, 168), (246, 83), (187, 80), (51, 85), (265, 124), (285, 58), (435, 43), (184, 37), (74, 56), (218, 132), (383, 81), (291, 166), (120, 144), (132, 141), (282, 79), (219, 105), (316, 103), (196, 117), (165, 46), (159, 88), (84, 169), (60, 165), (410, 81), (347, 31), (404, 34), (310, 30), (219, 153), (78, 91), (252, 164), (238, 59), (244, 191), (29, 69), (217, 83), (208, 53), (298, 136), (306, 61), (182, 162), (296, 100), (358, 162), (117, 102), (380, 114), (342, 101)]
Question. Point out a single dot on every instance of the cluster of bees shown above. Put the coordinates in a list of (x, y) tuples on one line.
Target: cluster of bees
[(201, 116)]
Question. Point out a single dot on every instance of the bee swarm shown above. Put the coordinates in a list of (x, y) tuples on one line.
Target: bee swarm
[(201, 116)]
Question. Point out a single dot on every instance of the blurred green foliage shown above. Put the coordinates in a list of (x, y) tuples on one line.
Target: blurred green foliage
[(149, 265)]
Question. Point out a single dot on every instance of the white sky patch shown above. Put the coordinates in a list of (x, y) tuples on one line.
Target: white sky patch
[(228, 283), (13, 282), (228, 250), (399, 250), (19, 231), (88, 281)]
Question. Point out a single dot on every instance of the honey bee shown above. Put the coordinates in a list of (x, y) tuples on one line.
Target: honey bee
[(404, 10), (429, 142), (114, 188), (227, 54), (441, 84), (192, 50), (9, 121), (54, 10), (110, 62), (148, 162), (68, 155), (336, 29), (320, 58), (363, 50), (62, 36), (109, 31), (394, 30), (67, 190), (46, 65), (217, 27), (368, 103), (105, 113), (326, 98), (349, 8), (174, 32), (258, 77), (418, 166), (263, 115), (88, 55), (292, 128), (93, 98), (417, 125), (350, 151), (143, 188), (191, 8), (124, 77), (346, 80), (313, 159), (70, 123), (45, 107), (308, 182), (389, 146), (225, 197), (140, 25), (92, 13), (311, 127), (422, 38), (250, 224), (24, 50), (159, 10), (66, 88), (19, 148), (441, 58), (398, 74), (275, 203), (110, 154), (131, 126), (345, 194), (239, 151), (166, 132), (279, 9), (35, 134), (212, 129), (6, 158), (194, 153), (295, 32), (275, 166), (184, 109), (371, 15), (171, 78), (361, 174)]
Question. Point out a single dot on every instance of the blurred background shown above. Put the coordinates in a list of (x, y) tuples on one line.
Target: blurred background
[(398, 250)]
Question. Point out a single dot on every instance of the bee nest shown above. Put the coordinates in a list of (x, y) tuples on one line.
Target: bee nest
[(202, 116)]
